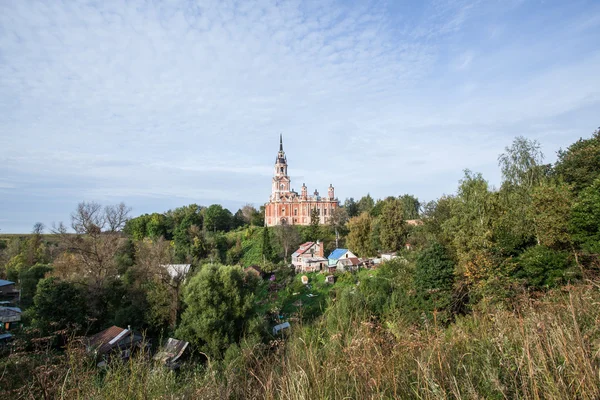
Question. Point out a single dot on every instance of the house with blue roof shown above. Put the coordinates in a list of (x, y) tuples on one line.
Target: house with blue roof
[(339, 254)]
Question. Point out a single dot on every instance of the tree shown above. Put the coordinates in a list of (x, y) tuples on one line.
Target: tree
[(38, 228), (58, 305), (116, 216), (217, 218), (351, 207), (410, 205), (543, 267), (219, 308), (551, 213), (585, 218), (92, 250), (266, 249), (579, 165), (434, 278), (521, 163), (393, 228), (473, 211), (288, 238), (337, 221), (366, 204), (359, 236), (313, 230), (28, 281)]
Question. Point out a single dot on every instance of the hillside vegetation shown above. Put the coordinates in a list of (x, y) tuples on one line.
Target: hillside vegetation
[(496, 294)]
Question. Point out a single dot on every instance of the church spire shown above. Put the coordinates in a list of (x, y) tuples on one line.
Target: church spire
[(280, 142)]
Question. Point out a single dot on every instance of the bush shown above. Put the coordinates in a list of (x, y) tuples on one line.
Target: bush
[(543, 267)]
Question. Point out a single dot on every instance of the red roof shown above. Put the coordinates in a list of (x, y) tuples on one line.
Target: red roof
[(304, 247), (103, 338)]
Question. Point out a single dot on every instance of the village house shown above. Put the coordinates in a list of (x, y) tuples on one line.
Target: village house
[(114, 342), (10, 317), (9, 291), (338, 254), (309, 257), (350, 264), (286, 206)]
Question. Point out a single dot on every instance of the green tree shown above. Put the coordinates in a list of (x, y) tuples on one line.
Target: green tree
[(287, 238), (543, 267), (313, 230), (579, 165), (217, 218), (410, 205), (473, 211), (551, 213), (28, 281), (521, 163), (366, 204), (266, 249), (393, 228), (351, 207), (337, 221), (219, 308), (434, 278), (585, 218), (359, 236), (58, 305)]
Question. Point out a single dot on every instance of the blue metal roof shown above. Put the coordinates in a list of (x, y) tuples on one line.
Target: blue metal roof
[(337, 253), (4, 283)]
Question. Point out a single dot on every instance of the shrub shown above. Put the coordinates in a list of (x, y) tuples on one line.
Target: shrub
[(543, 267)]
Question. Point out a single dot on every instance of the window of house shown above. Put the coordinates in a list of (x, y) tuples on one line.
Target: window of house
[(283, 210), (281, 169), (325, 211), (295, 211)]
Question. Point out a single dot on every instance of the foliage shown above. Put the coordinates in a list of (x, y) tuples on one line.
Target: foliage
[(217, 218), (351, 207), (58, 305), (365, 204), (410, 206), (579, 165), (359, 236), (28, 281), (393, 228), (434, 279), (473, 212), (585, 220), (543, 267), (551, 213), (219, 307)]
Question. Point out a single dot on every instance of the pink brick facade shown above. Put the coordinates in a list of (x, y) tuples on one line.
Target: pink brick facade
[(289, 207)]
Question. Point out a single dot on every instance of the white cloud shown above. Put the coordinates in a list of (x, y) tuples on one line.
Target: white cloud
[(186, 99)]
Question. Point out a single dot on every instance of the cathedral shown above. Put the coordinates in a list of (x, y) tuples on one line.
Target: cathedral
[(286, 206)]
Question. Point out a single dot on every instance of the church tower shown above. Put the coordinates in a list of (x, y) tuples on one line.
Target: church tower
[(281, 180)]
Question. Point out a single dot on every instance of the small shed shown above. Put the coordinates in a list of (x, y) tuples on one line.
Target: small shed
[(9, 316), (170, 355), (281, 327), (114, 342), (8, 290)]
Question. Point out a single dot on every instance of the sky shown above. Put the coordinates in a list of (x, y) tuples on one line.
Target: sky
[(161, 104)]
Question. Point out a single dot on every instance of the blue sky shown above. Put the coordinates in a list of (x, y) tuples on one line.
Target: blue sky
[(166, 103)]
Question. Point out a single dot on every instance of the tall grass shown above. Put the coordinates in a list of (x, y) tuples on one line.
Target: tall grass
[(547, 348)]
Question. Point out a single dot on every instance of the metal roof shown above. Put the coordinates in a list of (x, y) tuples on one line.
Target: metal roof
[(337, 253), (4, 283)]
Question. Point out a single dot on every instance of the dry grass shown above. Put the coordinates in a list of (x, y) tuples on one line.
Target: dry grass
[(547, 349)]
